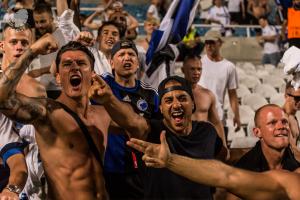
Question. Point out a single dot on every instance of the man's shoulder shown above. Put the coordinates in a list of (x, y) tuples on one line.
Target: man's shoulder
[(203, 125), (228, 63), (202, 91), (147, 87)]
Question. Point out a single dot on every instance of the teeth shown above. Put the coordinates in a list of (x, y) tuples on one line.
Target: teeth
[(109, 42)]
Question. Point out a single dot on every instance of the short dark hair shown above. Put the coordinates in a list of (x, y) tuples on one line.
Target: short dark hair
[(191, 56), (74, 46), (42, 7), (112, 23), (259, 110), (7, 25), (264, 18)]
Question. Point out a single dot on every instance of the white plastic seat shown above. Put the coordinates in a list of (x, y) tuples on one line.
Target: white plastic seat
[(275, 81), (250, 81), (254, 100), (248, 66), (265, 90), (242, 91), (278, 99)]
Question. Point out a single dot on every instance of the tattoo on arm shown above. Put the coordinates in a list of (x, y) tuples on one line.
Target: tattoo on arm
[(12, 75), (24, 109)]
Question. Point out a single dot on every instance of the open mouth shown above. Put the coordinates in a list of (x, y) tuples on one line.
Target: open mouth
[(284, 134), (178, 115), (127, 65), (75, 80), (110, 42)]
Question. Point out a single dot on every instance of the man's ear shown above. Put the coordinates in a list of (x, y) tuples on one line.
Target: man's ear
[(112, 64), (160, 108), (57, 78), (257, 132)]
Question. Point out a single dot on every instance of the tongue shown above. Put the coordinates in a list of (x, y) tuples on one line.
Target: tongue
[(178, 119)]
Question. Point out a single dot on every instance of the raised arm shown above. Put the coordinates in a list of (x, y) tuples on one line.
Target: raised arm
[(12, 104), (88, 22), (121, 113), (245, 184)]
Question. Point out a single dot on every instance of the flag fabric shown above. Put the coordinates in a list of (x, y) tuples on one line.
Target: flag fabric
[(173, 27)]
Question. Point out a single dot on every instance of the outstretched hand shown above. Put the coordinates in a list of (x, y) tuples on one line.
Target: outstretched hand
[(155, 155), (99, 92)]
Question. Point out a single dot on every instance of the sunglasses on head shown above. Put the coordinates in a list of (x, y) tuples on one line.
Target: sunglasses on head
[(296, 98), (210, 42)]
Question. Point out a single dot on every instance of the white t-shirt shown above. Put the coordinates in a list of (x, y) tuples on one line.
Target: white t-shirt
[(153, 10), (270, 47), (234, 5), (219, 13), (218, 77)]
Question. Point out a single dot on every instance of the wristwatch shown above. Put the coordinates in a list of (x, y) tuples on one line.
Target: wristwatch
[(14, 188)]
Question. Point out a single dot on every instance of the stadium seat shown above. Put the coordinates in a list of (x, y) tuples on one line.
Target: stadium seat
[(278, 99), (277, 82), (250, 81), (265, 90), (242, 91), (254, 101)]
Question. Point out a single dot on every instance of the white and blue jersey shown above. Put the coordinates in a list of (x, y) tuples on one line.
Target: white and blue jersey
[(10, 141)]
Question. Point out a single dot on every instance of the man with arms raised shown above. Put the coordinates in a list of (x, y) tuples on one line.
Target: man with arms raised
[(186, 137), (204, 99), (13, 45), (72, 169), (272, 185)]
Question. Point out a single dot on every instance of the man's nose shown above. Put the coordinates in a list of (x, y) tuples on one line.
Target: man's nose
[(19, 45), (176, 103)]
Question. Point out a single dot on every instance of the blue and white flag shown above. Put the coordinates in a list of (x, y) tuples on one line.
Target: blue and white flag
[(173, 27)]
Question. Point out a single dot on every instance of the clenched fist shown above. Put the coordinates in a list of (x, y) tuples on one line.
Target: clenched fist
[(45, 45)]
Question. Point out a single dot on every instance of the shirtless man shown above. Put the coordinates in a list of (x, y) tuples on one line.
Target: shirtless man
[(291, 106), (14, 44), (204, 99), (272, 185), (71, 168)]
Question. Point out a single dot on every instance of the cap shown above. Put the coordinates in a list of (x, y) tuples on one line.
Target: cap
[(184, 85), (212, 36), (123, 44)]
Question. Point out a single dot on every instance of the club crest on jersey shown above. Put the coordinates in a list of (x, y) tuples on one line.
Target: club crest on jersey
[(142, 105)]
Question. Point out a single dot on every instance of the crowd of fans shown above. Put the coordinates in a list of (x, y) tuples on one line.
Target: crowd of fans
[(64, 73)]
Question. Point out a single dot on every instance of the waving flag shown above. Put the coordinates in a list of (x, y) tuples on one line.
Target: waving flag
[(173, 27)]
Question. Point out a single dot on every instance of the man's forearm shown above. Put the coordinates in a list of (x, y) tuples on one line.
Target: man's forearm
[(208, 172), (18, 170), (245, 184), (125, 117), (12, 75)]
